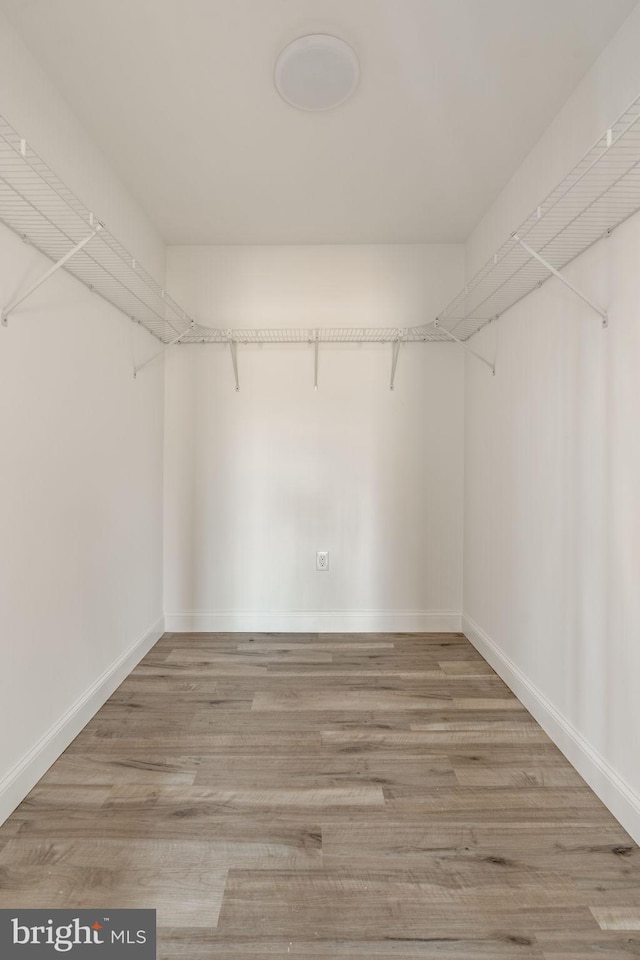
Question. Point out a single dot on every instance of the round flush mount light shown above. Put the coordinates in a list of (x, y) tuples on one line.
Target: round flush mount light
[(317, 72)]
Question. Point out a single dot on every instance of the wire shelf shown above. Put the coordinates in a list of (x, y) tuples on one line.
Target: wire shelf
[(37, 205), (202, 334), (601, 191)]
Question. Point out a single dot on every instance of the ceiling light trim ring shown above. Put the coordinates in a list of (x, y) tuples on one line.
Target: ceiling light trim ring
[(316, 72)]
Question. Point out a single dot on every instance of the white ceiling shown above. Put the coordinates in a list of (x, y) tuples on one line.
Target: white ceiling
[(179, 95)]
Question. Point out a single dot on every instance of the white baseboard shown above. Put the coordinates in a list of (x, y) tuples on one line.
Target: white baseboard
[(616, 794), (17, 783), (314, 621)]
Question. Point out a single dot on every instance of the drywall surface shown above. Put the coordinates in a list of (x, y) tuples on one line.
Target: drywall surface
[(35, 109), (552, 468), (552, 513), (258, 481), (605, 92), (80, 512), (80, 461)]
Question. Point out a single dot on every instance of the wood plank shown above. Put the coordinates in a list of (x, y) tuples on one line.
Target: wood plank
[(372, 905), (356, 795), (488, 703), (617, 918), (326, 646), (333, 699), (522, 776), (89, 768), (199, 944), (84, 874), (465, 668), (575, 945), (425, 739), (315, 771)]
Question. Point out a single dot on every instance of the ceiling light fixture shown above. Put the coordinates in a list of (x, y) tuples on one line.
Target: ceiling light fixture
[(317, 72)]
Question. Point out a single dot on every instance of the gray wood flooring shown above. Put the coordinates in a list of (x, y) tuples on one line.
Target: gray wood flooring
[(327, 797)]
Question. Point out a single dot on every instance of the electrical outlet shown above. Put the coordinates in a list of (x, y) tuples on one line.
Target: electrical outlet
[(322, 560)]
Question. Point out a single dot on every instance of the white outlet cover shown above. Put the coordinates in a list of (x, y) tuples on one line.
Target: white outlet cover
[(322, 560)]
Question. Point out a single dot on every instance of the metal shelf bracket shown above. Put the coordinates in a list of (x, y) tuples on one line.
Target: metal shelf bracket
[(395, 350), (556, 273), (464, 345), (172, 343), (234, 361), (10, 307), (316, 350)]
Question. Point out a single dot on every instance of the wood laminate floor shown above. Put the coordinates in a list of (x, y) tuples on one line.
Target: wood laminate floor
[(327, 797)]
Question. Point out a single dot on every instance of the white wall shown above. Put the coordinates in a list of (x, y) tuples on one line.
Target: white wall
[(552, 472), (80, 464), (32, 105), (257, 481), (606, 91)]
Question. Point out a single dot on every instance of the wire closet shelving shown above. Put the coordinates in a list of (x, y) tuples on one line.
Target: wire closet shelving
[(38, 206), (601, 191)]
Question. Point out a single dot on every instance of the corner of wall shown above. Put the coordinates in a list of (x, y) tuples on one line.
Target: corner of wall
[(616, 794), (19, 781)]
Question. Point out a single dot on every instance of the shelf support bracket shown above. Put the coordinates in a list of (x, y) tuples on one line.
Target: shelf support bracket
[(556, 273), (316, 350), (45, 276), (464, 346), (234, 361), (172, 343), (395, 350)]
